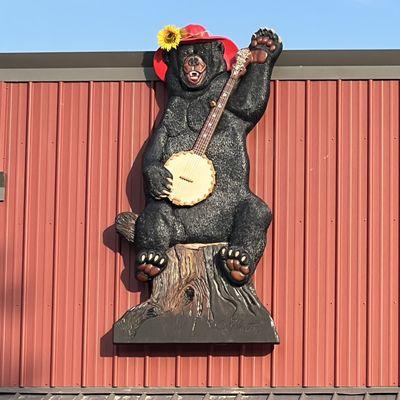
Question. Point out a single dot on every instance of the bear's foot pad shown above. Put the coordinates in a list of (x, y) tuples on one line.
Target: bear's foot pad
[(235, 265), (192, 302)]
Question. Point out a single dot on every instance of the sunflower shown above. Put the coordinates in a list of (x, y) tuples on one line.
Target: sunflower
[(169, 37)]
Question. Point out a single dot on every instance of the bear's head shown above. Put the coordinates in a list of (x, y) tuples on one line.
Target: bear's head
[(193, 66)]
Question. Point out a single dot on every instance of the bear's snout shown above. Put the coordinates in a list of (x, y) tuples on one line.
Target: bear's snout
[(194, 69)]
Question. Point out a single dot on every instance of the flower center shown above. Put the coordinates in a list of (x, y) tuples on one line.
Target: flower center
[(171, 37)]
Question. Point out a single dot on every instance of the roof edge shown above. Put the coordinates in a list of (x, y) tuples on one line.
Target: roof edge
[(137, 66), (344, 390)]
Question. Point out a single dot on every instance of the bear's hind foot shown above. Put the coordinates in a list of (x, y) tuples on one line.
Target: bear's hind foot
[(236, 265), (149, 264)]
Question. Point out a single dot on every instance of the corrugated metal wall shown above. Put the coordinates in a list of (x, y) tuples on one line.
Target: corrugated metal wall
[(325, 158)]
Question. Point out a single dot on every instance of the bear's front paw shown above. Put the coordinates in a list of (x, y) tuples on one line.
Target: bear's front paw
[(265, 43), (149, 265), (235, 264), (159, 181)]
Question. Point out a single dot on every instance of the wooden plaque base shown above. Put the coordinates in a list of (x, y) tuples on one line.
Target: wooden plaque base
[(191, 302)]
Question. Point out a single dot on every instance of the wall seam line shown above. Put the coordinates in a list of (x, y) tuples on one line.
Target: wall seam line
[(273, 360), (86, 235), (305, 243), (25, 235), (55, 235), (339, 131), (118, 255), (369, 229)]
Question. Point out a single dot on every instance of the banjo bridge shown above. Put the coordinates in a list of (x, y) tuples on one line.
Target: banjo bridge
[(186, 179)]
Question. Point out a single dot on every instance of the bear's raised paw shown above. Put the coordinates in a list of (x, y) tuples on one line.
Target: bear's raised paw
[(265, 43)]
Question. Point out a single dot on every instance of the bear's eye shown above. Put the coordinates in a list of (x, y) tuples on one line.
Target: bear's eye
[(201, 52)]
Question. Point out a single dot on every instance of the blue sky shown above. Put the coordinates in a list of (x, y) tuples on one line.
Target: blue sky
[(97, 25)]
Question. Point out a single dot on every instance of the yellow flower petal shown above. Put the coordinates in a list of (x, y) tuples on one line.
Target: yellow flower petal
[(169, 37)]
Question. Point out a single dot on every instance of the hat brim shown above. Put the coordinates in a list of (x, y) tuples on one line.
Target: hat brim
[(230, 50)]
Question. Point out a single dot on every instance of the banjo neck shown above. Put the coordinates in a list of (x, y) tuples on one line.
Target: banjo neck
[(213, 118), (211, 123)]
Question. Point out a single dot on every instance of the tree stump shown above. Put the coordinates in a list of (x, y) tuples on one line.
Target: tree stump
[(192, 302)]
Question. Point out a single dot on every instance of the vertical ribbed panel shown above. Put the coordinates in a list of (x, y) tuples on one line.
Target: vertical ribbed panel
[(255, 370), (69, 249), (319, 234), (101, 206), (288, 245), (351, 229), (133, 131), (325, 158), (383, 243), (38, 241), (13, 108)]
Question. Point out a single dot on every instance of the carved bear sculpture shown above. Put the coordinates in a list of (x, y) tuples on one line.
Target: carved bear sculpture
[(232, 214)]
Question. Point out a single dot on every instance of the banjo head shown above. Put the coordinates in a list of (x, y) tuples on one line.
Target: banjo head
[(193, 178)]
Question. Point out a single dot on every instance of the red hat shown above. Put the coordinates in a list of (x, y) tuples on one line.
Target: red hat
[(195, 34)]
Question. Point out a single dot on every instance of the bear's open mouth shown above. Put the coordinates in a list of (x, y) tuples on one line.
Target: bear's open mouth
[(194, 76)]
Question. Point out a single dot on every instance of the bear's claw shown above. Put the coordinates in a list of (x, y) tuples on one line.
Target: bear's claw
[(149, 265)]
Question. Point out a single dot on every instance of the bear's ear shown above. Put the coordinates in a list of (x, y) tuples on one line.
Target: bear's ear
[(166, 57), (169, 57)]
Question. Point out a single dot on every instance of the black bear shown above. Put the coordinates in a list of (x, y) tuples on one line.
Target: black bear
[(195, 74)]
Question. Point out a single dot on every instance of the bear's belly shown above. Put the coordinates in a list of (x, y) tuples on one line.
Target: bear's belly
[(212, 219)]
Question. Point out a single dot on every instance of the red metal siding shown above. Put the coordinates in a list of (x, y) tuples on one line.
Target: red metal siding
[(352, 233), (287, 244), (325, 158)]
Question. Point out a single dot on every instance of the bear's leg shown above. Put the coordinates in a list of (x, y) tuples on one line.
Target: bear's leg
[(247, 241), (156, 228)]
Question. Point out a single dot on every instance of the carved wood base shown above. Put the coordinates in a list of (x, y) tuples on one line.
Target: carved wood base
[(192, 303)]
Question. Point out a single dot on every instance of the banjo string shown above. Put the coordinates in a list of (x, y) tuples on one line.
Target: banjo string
[(205, 135), (203, 141), (201, 145)]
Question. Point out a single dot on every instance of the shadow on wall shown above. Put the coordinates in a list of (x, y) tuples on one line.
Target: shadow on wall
[(184, 350), (111, 239), (135, 195)]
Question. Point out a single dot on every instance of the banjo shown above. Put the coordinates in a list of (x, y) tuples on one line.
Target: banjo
[(193, 174)]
